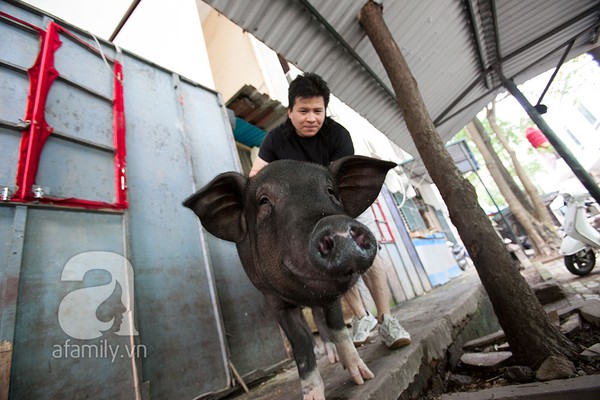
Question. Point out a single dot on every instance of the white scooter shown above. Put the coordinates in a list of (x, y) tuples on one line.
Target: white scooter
[(581, 239)]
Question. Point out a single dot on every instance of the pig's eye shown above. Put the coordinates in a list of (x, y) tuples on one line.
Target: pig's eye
[(264, 201), (333, 195), (264, 207)]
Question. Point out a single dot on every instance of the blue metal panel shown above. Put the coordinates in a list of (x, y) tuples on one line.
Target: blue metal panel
[(97, 74), (25, 14), (253, 337), (417, 275), (47, 362), (247, 133), (437, 259), (6, 217), (9, 154), (177, 319), (71, 170), (18, 46), (174, 145), (79, 114), (13, 93), (12, 222)]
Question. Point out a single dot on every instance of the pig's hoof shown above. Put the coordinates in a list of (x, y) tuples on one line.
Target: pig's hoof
[(327, 350), (332, 354), (360, 373), (313, 396), (313, 387)]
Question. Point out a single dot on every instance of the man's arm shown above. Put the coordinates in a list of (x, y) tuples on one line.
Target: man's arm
[(343, 145), (258, 164)]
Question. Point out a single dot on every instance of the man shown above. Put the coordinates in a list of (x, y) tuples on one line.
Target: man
[(309, 135)]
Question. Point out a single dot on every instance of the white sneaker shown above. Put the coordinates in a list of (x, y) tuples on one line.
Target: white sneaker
[(393, 335), (361, 328)]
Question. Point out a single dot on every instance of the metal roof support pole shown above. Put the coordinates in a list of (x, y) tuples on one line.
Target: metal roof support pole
[(560, 63), (584, 177), (124, 20)]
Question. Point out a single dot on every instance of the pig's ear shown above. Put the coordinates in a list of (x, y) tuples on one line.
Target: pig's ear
[(359, 181), (219, 205)]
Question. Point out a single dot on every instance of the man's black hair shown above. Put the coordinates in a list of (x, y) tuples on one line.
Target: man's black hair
[(308, 85)]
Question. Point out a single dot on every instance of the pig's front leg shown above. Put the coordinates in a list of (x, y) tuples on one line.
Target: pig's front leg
[(347, 353), (296, 329), (330, 349)]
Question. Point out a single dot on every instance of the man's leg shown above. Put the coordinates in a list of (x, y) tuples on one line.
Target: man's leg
[(354, 301), (363, 322), (376, 282), (391, 332)]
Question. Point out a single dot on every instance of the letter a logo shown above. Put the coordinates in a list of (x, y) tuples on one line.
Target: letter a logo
[(77, 310)]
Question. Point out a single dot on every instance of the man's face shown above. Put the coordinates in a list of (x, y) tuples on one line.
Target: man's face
[(307, 115)]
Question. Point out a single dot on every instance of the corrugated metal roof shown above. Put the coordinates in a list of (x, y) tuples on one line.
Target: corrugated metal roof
[(451, 46)]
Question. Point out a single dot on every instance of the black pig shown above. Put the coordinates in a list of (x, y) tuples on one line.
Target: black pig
[(299, 244)]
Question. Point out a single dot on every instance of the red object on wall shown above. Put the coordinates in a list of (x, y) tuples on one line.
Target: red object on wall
[(41, 76), (536, 137), (381, 219)]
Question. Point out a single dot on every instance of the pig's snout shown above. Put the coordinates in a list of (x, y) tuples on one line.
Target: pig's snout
[(342, 246), (327, 244)]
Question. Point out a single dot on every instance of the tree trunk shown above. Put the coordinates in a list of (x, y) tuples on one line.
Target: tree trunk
[(531, 336), (544, 222), (523, 199), (518, 211), (539, 208)]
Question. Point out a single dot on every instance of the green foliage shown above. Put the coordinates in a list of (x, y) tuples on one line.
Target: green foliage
[(569, 83), (515, 134)]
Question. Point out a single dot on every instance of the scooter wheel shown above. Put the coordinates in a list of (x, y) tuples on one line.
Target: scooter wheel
[(581, 263)]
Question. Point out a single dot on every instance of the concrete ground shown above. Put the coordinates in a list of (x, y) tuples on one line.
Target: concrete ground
[(575, 287), (433, 321)]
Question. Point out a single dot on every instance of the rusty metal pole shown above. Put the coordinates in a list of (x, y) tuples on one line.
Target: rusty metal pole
[(584, 177)]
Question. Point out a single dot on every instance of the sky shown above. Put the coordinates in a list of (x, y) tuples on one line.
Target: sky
[(164, 32), (98, 17)]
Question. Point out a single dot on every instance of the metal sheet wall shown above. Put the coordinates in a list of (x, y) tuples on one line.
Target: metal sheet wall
[(253, 336), (176, 297), (44, 363)]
